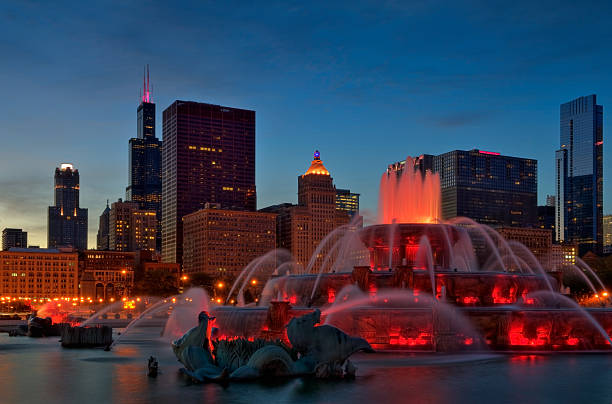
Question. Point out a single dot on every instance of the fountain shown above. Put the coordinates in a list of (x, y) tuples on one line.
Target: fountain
[(426, 285)]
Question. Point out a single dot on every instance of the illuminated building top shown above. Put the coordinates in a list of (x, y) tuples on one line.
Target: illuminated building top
[(317, 167), (146, 89), (65, 166)]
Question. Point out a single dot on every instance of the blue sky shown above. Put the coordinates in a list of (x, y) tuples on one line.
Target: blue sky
[(366, 83)]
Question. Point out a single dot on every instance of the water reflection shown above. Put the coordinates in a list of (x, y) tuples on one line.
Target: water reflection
[(40, 371)]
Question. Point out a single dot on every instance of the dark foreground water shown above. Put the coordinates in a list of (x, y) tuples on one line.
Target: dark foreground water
[(40, 371)]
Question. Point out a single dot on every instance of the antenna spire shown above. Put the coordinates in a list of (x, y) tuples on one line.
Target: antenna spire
[(146, 89)]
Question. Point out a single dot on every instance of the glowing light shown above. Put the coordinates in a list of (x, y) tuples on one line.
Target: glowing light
[(470, 300), (331, 295), (184, 277), (317, 167), (254, 282), (218, 300), (124, 272), (605, 294), (220, 285), (488, 152)]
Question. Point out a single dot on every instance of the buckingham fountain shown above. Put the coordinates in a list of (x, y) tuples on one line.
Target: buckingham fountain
[(416, 283)]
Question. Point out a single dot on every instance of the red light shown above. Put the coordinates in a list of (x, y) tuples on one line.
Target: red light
[(293, 299), (331, 295), (488, 152), (470, 300), (572, 341)]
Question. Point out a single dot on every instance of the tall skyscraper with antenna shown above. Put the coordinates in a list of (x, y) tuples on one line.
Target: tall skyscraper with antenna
[(144, 177)]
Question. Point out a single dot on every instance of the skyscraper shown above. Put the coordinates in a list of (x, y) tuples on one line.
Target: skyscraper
[(103, 229), (67, 222), (131, 228), (485, 186), (208, 157), (14, 238), (579, 169), (301, 227), (144, 183)]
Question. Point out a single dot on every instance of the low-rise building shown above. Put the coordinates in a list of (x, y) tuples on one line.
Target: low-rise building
[(39, 273), (538, 241), (106, 275), (563, 255), (221, 243)]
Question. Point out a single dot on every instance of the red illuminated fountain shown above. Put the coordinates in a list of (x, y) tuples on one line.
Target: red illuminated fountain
[(426, 285)]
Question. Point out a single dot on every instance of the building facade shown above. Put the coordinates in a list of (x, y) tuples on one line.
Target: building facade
[(347, 201), (145, 156), (14, 238), (208, 157), (67, 222), (39, 273), (131, 228), (485, 186), (538, 241), (607, 234), (579, 169), (563, 255), (102, 240), (106, 275), (301, 227), (221, 243), (546, 218)]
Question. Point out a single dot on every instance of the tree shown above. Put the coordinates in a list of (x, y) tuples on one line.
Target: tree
[(157, 283)]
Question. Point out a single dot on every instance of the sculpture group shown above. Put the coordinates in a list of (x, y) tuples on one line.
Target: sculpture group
[(321, 351)]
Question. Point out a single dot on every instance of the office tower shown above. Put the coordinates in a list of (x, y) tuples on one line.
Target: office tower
[(301, 227), (14, 238), (144, 180), (103, 229), (208, 157), (485, 186), (347, 201), (67, 222), (546, 218), (579, 169), (131, 228), (607, 233), (221, 243)]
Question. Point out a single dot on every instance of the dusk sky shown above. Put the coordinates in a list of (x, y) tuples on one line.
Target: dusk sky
[(366, 83)]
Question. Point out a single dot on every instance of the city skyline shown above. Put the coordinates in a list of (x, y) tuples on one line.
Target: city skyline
[(337, 100)]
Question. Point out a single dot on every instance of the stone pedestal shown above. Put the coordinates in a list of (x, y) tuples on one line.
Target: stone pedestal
[(361, 276), (278, 316)]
